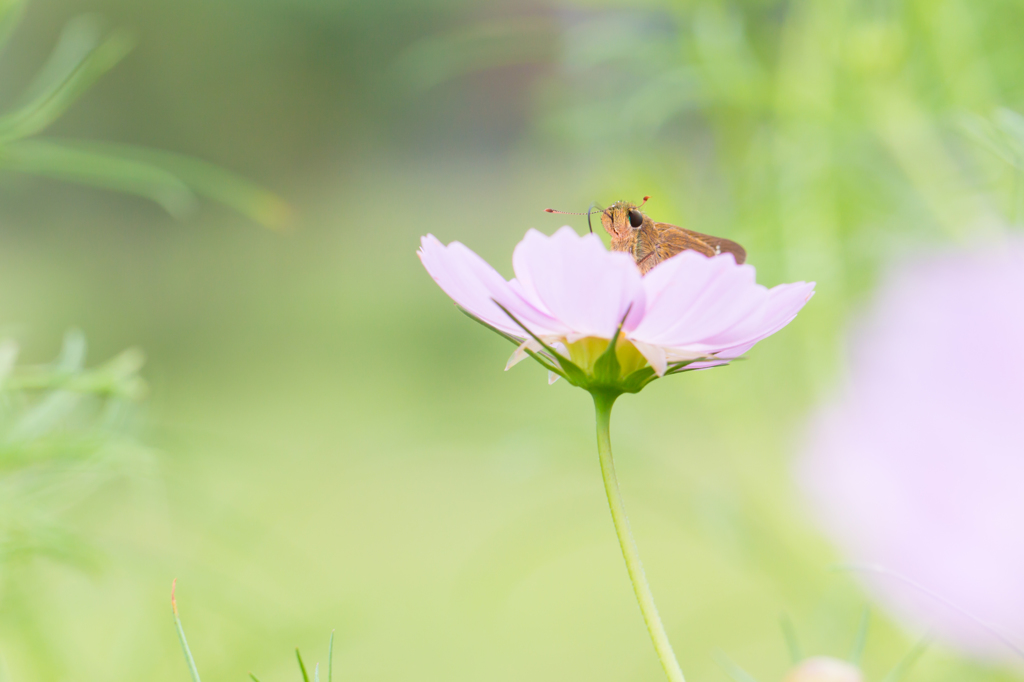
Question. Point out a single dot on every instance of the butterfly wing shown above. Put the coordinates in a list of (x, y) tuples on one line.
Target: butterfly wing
[(673, 239)]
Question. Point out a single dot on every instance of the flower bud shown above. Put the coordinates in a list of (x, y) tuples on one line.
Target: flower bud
[(824, 669)]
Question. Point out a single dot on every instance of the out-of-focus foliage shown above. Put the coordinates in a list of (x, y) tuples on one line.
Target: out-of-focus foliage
[(79, 59), (67, 436), (65, 433)]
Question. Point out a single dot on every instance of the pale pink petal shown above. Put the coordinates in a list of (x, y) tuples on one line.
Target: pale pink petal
[(708, 305), (724, 355), (520, 354), (691, 297), (655, 356), (475, 286), (585, 287), (780, 306)]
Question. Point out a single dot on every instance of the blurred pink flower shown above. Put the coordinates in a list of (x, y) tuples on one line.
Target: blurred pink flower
[(569, 288), (918, 468)]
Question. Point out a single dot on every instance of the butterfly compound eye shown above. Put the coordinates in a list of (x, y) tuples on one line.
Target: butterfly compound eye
[(636, 219)]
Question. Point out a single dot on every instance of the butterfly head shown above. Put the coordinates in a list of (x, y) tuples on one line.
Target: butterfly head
[(623, 219)]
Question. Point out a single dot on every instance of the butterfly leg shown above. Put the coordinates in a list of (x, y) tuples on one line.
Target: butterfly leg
[(646, 263)]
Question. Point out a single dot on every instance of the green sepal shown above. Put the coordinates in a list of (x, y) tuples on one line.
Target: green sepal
[(545, 364), (677, 367), (680, 367), (497, 331), (544, 361), (606, 369), (635, 382), (533, 336), (570, 371)]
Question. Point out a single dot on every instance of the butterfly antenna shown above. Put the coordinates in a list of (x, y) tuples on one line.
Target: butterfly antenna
[(643, 202), (551, 210), (590, 211)]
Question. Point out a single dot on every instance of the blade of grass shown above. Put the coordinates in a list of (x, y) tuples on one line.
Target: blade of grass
[(862, 636), (732, 669), (181, 636), (302, 666), (330, 659), (908, 661), (792, 642)]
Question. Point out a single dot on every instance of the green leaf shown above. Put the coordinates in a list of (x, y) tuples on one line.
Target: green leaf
[(43, 417), (8, 356), (985, 134), (62, 162), (201, 177), (172, 180), (11, 12), (75, 65), (72, 352)]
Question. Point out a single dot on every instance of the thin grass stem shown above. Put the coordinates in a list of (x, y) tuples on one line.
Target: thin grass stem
[(181, 636)]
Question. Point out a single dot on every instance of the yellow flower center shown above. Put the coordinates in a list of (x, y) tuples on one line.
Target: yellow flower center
[(585, 352)]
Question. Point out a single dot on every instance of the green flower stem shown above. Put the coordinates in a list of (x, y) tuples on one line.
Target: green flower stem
[(603, 404)]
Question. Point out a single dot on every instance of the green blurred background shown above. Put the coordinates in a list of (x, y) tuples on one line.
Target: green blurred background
[(328, 444)]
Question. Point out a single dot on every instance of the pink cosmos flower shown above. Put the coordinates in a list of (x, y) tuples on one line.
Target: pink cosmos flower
[(689, 312), (586, 314), (918, 467)]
